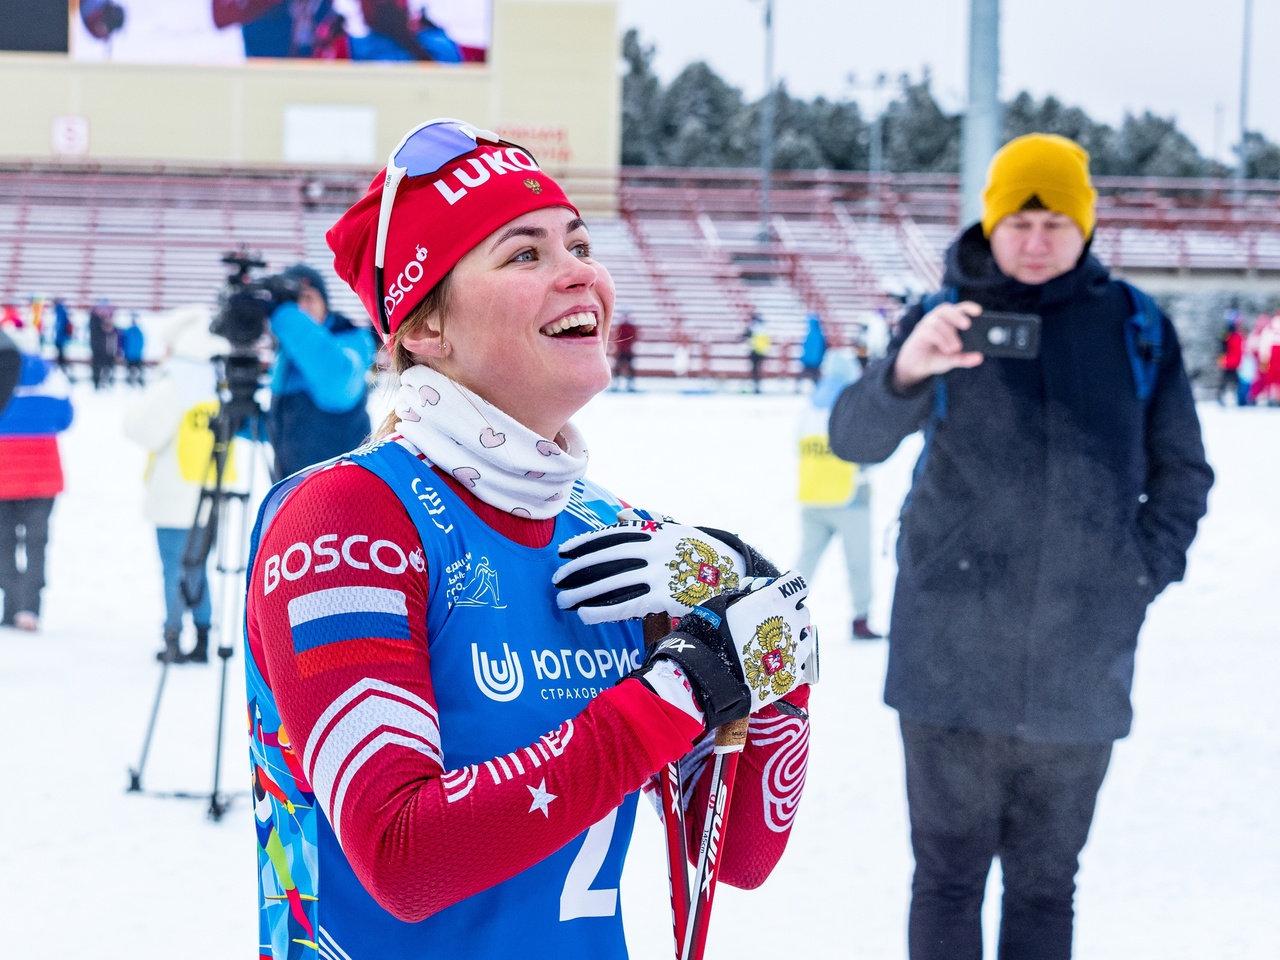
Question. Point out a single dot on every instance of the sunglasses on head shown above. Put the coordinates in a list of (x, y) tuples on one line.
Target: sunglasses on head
[(422, 151)]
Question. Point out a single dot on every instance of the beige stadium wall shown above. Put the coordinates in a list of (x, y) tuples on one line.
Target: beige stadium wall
[(552, 83)]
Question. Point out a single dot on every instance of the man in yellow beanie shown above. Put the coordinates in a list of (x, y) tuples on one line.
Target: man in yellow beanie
[(1055, 499)]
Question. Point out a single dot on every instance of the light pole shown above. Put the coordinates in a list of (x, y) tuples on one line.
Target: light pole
[(1242, 170), (982, 118), (876, 146), (766, 126)]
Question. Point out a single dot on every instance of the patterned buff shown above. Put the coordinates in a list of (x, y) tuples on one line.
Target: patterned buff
[(499, 459)]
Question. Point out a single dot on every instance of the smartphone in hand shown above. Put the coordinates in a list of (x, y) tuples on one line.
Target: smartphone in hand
[(997, 334)]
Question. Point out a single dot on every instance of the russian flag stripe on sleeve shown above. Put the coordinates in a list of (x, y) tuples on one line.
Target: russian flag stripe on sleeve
[(340, 614), (349, 626)]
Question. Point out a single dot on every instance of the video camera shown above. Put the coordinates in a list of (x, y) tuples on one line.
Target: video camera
[(245, 305)]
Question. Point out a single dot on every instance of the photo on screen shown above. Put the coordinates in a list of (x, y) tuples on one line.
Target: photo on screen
[(231, 31)]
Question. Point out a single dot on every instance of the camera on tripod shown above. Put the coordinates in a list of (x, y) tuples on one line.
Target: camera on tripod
[(244, 311)]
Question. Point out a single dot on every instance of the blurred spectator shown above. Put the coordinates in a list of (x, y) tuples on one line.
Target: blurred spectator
[(682, 355), (103, 344), (758, 344), (318, 385), (63, 333), (834, 497), (132, 344), (10, 365), (814, 349), (1264, 344), (1056, 497), (30, 479), (36, 306), (624, 339), (11, 318), (1230, 356), (171, 420)]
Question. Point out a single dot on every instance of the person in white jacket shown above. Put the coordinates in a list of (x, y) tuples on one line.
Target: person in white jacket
[(172, 421)]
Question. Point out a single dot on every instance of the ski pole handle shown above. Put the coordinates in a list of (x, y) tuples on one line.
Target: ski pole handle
[(731, 737)]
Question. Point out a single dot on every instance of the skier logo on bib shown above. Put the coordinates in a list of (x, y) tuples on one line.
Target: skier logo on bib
[(482, 589)]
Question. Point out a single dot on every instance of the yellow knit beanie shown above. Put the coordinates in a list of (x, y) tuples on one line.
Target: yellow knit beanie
[(1045, 166)]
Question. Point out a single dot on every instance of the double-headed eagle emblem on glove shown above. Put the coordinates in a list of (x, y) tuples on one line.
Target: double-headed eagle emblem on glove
[(699, 573), (768, 659)]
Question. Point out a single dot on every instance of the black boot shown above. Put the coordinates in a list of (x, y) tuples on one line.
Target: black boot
[(170, 653), (200, 652)]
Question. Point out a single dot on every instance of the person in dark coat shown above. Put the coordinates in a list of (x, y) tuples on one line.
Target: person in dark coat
[(103, 344), (10, 365), (1049, 507)]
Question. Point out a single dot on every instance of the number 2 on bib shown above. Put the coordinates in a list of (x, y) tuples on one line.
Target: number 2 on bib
[(577, 899)]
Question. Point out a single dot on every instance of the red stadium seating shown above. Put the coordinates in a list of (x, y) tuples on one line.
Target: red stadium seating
[(686, 251)]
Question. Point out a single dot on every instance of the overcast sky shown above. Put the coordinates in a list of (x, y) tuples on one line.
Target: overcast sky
[(1176, 58)]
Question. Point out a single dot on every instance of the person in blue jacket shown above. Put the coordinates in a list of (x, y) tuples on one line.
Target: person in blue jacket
[(1054, 500), (813, 350), (318, 383), (64, 332), (132, 344)]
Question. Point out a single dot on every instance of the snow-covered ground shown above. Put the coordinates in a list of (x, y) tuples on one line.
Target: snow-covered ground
[(1184, 859)]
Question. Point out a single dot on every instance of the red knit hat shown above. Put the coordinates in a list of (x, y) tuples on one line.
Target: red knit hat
[(437, 219)]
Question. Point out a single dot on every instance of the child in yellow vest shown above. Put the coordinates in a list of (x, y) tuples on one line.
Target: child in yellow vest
[(834, 496)]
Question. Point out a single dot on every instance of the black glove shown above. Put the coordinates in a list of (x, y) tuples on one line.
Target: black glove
[(743, 649)]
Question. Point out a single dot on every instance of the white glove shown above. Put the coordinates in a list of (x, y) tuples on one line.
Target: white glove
[(640, 565)]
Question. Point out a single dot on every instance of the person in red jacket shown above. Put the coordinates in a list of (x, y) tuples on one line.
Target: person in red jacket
[(1230, 359), (30, 479)]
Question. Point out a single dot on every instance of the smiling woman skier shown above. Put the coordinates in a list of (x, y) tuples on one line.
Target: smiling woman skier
[(446, 757)]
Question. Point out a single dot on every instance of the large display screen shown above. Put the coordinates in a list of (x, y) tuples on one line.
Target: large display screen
[(33, 26), (231, 31)]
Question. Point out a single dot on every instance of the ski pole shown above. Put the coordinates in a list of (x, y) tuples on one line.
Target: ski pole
[(657, 626), (730, 740)]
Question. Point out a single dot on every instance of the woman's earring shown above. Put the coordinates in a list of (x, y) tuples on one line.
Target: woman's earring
[(444, 348)]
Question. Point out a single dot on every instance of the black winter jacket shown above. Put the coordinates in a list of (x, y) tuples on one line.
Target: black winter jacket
[(1049, 507)]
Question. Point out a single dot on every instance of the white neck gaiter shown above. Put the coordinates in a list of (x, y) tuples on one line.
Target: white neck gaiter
[(493, 455)]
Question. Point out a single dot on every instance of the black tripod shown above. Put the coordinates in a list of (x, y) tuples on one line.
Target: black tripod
[(224, 512)]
